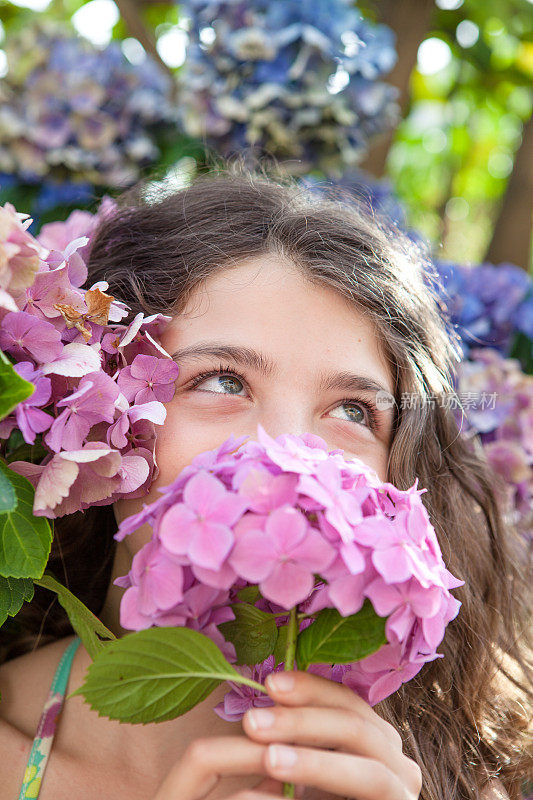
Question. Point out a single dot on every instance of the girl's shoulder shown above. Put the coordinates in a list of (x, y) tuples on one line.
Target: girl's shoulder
[(24, 685)]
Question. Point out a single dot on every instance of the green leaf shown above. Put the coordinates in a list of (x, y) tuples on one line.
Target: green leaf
[(334, 639), (8, 497), (253, 632), (88, 627), (13, 388), (28, 452), (281, 645), (25, 540), (13, 592), (156, 675), (249, 594), (522, 349)]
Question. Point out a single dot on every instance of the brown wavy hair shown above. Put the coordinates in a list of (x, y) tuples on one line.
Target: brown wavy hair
[(464, 718)]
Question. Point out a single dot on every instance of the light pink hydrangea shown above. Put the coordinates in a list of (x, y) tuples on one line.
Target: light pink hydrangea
[(255, 513)]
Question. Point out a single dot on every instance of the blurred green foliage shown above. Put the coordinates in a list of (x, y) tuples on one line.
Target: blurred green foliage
[(454, 150)]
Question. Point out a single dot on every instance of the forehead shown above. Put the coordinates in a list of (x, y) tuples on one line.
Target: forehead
[(269, 305)]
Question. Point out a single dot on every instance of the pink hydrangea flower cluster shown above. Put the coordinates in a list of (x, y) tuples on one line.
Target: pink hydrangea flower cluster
[(311, 530), (99, 384)]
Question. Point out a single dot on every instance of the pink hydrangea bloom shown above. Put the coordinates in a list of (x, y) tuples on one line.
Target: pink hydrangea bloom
[(24, 335), (241, 698), (200, 527), (283, 557), (93, 401), (53, 328), (149, 378), (255, 513)]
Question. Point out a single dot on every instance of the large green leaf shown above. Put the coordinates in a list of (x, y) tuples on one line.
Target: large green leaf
[(13, 388), (88, 627), (8, 497), (13, 592), (253, 632), (334, 639), (25, 540), (156, 675)]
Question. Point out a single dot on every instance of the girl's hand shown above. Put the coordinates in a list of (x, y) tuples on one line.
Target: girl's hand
[(365, 759), (364, 762), (207, 760)]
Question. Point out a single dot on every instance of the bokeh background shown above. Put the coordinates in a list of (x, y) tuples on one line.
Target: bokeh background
[(421, 108), (433, 95)]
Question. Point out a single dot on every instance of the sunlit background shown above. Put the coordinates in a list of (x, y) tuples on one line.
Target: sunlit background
[(457, 158)]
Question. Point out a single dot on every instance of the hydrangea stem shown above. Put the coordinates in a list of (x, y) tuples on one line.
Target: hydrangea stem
[(290, 657)]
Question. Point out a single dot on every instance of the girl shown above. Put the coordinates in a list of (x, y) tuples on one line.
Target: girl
[(300, 313)]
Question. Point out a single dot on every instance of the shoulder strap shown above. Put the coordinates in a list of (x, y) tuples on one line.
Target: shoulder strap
[(42, 743)]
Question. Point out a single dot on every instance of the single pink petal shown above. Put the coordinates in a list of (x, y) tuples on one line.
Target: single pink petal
[(166, 371), (371, 531), (384, 597), (287, 527), (400, 623), (287, 585), (433, 629), (134, 471), (116, 433), (75, 361), (425, 602), (210, 545), (143, 367), (228, 509), (166, 584), (253, 555), (393, 564), (202, 491), (146, 395), (175, 528), (154, 412), (352, 557), (130, 616), (54, 484), (314, 553), (265, 491), (388, 684), (222, 578), (346, 594)]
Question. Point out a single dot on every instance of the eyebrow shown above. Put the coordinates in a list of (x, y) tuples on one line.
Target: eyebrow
[(245, 356)]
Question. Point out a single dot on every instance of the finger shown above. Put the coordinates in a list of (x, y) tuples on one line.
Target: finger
[(334, 728), (205, 761), (308, 689), (250, 794), (341, 774)]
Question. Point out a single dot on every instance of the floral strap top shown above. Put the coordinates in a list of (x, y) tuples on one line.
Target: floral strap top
[(42, 743)]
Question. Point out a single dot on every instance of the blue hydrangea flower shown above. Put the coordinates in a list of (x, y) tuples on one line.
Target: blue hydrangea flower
[(296, 79), (489, 304), (71, 109)]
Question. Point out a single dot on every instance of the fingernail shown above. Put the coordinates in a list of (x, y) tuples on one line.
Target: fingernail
[(281, 757), (281, 681), (260, 718)]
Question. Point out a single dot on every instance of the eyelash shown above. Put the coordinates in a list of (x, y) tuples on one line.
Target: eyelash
[(225, 370)]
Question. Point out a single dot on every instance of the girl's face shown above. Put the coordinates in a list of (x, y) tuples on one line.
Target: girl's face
[(285, 348)]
